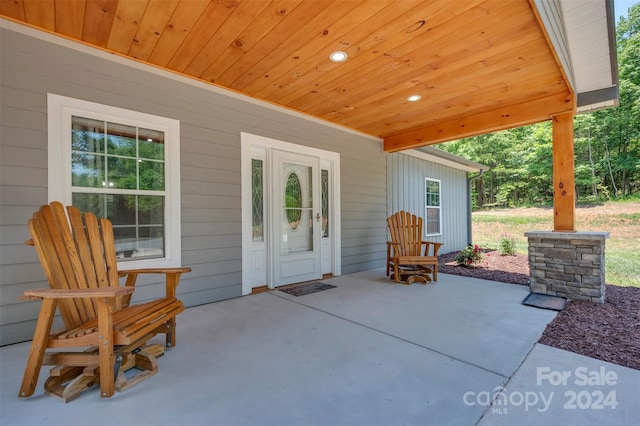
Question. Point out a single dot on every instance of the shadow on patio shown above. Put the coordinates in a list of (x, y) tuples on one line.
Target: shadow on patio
[(366, 352)]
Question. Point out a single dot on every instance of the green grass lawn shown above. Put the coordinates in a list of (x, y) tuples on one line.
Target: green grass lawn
[(621, 220)]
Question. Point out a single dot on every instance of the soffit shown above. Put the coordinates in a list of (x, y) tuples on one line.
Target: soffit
[(479, 65)]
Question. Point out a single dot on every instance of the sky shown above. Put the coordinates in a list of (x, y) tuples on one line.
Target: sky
[(621, 7)]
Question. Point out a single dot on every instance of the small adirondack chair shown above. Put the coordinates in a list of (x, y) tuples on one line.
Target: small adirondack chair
[(78, 256), (405, 254)]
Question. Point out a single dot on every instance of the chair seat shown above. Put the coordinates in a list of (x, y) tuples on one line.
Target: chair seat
[(129, 323), (417, 260)]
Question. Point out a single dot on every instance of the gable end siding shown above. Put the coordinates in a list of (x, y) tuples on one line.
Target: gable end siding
[(405, 181)]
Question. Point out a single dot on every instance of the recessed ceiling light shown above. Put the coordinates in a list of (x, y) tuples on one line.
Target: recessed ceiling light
[(414, 98), (338, 56)]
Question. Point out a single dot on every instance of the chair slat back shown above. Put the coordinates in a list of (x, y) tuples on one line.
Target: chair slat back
[(76, 252), (406, 232)]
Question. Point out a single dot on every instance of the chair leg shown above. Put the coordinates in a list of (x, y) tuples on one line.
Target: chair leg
[(38, 347), (171, 333), (172, 280), (105, 349), (388, 257), (435, 273)]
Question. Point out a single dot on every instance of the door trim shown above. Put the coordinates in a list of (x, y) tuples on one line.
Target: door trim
[(251, 142)]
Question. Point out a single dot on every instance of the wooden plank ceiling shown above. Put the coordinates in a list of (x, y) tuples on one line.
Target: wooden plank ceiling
[(479, 65)]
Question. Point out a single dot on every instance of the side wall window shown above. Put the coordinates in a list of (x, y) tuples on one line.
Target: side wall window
[(432, 216), (122, 165)]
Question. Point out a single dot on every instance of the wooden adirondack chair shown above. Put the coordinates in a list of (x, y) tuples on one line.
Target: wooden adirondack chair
[(404, 252), (78, 256)]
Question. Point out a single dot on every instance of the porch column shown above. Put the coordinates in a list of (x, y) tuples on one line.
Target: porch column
[(564, 262), (563, 174)]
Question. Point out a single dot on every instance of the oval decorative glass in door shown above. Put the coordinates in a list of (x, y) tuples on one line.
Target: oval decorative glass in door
[(293, 201), (298, 208)]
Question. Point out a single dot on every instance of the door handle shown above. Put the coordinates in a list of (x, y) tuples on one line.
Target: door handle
[(317, 217)]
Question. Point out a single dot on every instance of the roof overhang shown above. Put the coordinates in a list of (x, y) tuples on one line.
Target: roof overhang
[(591, 37), (479, 65)]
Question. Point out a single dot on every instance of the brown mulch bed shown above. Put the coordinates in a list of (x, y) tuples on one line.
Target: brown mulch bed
[(506, 269), (609, 332)]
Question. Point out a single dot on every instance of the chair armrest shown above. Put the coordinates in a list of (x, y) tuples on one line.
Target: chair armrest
[(172, 279), (54, 293), (154, 271), (391, 244), (436, 247)]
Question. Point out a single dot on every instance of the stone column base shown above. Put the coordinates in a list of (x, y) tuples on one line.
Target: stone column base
[(569, 264)]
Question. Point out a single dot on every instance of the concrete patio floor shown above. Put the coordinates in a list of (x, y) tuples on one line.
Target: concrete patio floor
[(367, 352)]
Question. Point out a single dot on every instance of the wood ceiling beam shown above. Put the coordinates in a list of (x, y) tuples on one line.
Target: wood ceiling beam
[(448, 101), (533, 111)]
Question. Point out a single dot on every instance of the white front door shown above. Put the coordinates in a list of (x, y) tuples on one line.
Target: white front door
[(279, 248), (296, 215)]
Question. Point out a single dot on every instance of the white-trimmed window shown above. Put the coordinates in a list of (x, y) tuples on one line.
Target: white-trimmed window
[(432, 210), (123, 165)]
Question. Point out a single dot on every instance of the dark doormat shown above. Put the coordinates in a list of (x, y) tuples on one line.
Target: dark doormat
[(545, 301), (308, 288)]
